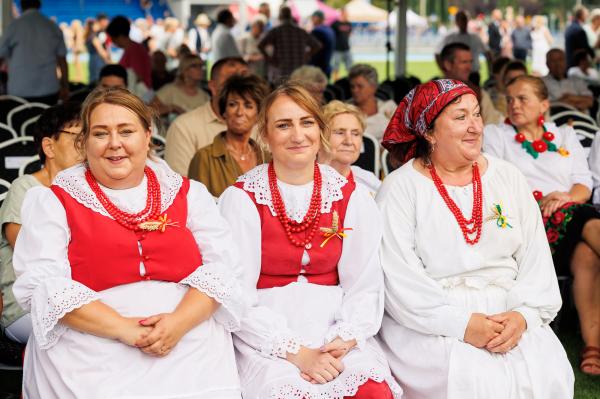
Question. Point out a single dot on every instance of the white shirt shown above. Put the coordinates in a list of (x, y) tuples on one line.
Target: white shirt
[(223, 43), (558, 88), (366, 178), (594, 161), (550, 171)]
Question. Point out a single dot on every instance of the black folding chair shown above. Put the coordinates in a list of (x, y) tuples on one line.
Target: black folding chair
[(369, 155), (7, 104), (13, 154), (21, 114)]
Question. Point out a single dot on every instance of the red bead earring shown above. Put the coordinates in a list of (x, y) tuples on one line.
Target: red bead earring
[(541, 120)]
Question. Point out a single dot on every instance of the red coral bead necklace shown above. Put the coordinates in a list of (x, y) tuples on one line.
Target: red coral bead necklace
[(128, 220), (310, 221), (467, 226)]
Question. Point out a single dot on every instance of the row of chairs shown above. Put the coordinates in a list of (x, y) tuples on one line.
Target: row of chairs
[(17, 116)]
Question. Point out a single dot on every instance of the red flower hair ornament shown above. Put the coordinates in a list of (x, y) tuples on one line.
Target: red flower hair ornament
[(416, 112)]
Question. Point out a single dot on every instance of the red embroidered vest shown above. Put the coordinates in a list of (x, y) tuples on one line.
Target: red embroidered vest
[(104, 254), (281, 261)]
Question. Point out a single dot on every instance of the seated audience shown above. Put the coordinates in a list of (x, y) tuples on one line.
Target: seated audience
[(160, 75), (456, 61), (554, 163), (197, 128), (316, 299), (113, 75), (55, 134), (594, 162), (583, 68), (363, 86), (135, 56), (572, 91), (345, 135), (185, 94), (470, 288), (128, 271), (232, 152), (313, 79)]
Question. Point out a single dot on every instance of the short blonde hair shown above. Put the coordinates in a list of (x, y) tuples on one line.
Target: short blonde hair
[(309, 75), (336, 107), (115, 96), (300, 96), (185, 62)]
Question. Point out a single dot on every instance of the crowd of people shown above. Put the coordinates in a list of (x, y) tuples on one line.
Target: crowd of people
[(256, 260)]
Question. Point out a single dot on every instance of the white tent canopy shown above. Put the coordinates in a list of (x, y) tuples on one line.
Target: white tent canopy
[(361, 11), (413, 20)]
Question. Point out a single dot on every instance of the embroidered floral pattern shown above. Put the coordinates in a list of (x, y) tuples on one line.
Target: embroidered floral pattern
[(256, 181), (345, 331), (280, 346), (346, 384), (556, 224)]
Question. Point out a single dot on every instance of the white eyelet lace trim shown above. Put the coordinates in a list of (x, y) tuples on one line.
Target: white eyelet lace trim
[(280, 346), (345, 331), (337, 389), (73, 181), (256, 181), (46, 325), (213, 280)]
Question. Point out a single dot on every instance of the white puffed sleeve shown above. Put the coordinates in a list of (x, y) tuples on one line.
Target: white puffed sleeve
[(360, 273), (412, 297), (594, 161), (580, 173), (219, 275), (44, 285), (493, 142), (535, 294), (262, 328)]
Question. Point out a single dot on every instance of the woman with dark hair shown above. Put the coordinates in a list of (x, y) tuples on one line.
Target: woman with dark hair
[(127, 270), (233, 152), (54, 134), (470, 286), (309, 238), (555, 165)]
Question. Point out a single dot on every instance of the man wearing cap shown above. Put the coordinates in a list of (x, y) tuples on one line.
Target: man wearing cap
[(326, 36)]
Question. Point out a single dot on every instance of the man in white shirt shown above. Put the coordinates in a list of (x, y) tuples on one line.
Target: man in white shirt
[(223, 43), (34, 47), (572, 91), (197, 128)]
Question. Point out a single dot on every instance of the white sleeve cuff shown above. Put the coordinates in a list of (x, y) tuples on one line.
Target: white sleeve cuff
[(50, 302), (530, 315), (217, 281), (280, 344), (345, 331)]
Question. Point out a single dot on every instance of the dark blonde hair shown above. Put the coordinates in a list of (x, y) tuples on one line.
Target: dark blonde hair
[(538, 85), (304, 99), (115, 96)]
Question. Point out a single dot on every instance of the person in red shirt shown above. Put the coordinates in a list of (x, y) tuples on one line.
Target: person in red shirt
[(135, 56)]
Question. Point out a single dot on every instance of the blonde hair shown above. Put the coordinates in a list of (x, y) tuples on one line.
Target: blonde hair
[(336, 107), (115, 96), (304, 99), (184, 63), (309, 75)]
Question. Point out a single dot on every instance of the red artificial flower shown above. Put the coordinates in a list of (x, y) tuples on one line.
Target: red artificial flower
[(548, 136), (520, 137), (552, 235), (538, 195), (540, 146), (558, 217)]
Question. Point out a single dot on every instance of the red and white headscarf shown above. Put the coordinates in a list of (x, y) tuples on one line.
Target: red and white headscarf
[(416, 112)]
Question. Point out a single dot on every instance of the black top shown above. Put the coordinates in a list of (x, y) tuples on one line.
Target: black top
[(575, 39), (342, 35)]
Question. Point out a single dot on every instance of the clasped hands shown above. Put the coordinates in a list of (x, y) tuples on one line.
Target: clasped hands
[(156, 335), (497, 333), (553, 201), (324, 364)]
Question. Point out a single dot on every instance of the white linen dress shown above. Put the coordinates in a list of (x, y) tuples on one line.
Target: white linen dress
[(64, 363), (435, 281), (281, 319)]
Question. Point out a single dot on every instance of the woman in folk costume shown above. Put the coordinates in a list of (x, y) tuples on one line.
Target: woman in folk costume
[(309, 238), (124, 266), (555, 165), (470, 286)]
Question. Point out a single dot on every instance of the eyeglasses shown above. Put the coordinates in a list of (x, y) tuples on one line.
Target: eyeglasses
[(69, 133)]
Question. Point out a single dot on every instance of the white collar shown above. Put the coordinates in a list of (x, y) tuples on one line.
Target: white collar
[(72, 180), (256, 181)]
